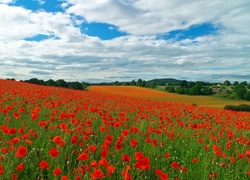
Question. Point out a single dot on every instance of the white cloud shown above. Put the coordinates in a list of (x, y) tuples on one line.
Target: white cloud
[(18, 23), (7, 1), (152, 17)]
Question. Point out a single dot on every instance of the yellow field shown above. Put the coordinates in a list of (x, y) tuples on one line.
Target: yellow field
[(132, 91)]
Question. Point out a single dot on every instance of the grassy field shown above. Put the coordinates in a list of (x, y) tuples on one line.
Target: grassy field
[(132, 91)]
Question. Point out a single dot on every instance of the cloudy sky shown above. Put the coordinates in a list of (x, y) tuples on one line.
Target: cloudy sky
[(109, 40)]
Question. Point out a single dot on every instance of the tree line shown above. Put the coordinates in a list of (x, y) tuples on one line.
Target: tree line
[(58, 83)]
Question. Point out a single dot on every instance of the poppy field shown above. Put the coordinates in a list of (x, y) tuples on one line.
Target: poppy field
[(55, 133), (146, 93)]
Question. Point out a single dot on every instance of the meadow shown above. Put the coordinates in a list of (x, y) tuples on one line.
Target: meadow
[(57, 133), (133, 91)]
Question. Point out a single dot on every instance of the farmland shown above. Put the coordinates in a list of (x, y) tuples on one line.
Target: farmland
[(132, 91), (58, 133)]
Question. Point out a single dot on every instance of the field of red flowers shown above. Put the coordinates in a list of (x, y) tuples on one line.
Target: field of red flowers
[(57, 133)]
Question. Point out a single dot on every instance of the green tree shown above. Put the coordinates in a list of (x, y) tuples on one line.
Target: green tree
[(84, 85), (248, 86), (207, 91), (184, 84), (133, 83), (143, 83), (199, 83), (227, 83), (75, 85), (180, 90), (152, 85), (235, 83), (191, 84), (139, 82), (240, 90), (36, 81), (247, 96), (50, 82), (117, 83), (196, 90), (244, 83), (62, 83), (169, 89)]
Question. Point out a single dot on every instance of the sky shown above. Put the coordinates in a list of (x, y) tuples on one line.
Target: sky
[(124, 40)]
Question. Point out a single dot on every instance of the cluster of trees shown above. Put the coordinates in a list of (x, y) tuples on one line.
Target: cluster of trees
[(191, 88), (241, 91), (59, 83), (235, 90)]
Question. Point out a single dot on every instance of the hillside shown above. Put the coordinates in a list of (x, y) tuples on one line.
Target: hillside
[(133, 91), (164, 81)]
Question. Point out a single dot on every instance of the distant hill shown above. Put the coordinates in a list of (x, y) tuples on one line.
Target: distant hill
[(164, 81)]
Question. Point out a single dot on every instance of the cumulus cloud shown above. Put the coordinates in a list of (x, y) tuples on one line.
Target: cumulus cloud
[(154, 17), (7, 1), (18, 23), (70, 54)]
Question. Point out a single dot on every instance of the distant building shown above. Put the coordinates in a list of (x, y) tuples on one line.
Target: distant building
[(215, 90)]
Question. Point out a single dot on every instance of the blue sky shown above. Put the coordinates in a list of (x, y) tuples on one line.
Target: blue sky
[(109, 40)]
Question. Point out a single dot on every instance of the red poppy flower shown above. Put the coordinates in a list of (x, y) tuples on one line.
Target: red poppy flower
[(92, 148), (139, 155), (14, 177), (74, 139), (241, 156), (57, 171), (58, 140), (143, 163), (97, 174), (110, 170), (103, 162), (125, 132), (109, 137), (84, 156), (195, 160), (125, 158), (133, 129), (63, 126), (20, 167), (133, 143), (21, 152), (167, 155), (64, 177), (183, 168), (175, 165), (44, 164), (12, 131), (212, 175), (126, 175), (232, 159), (118, 145), (94, 164), (161, 174), (53, 152), (1, 170), (104, 153)]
